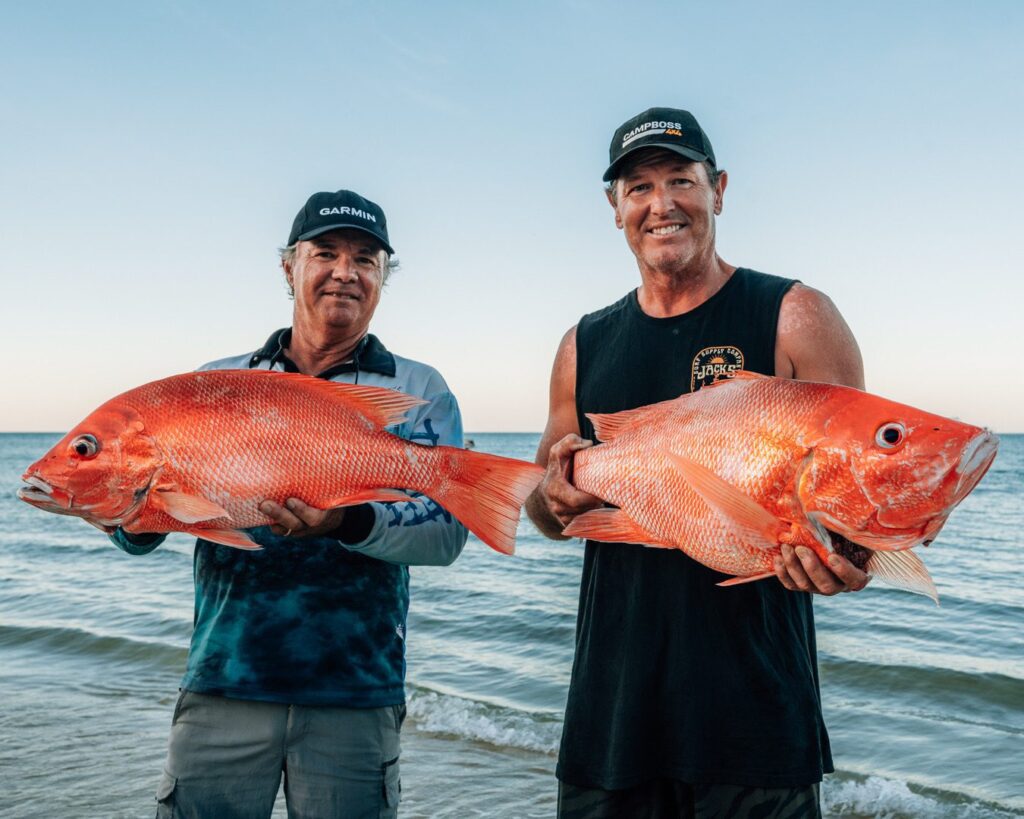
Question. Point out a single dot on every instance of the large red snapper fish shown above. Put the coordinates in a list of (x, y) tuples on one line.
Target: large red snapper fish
[(198, 453), (731, 472)]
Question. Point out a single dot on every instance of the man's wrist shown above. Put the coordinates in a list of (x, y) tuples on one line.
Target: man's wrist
[(357, 524), (140, 539)]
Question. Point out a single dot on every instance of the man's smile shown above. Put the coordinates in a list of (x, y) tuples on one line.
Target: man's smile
[(344, 296), (666, 230)]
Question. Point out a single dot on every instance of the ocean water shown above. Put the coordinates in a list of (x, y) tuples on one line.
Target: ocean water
[(925, 705)]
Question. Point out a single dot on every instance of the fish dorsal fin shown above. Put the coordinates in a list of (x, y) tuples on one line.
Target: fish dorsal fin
[(759, 527), (609, 425), (904, 570), (184, 507), (383, 407), (739, 375)]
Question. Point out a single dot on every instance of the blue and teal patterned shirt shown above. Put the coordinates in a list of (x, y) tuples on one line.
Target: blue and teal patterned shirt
[(312, 621)]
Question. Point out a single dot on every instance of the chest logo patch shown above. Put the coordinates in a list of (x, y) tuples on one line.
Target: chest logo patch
[(713, 364)]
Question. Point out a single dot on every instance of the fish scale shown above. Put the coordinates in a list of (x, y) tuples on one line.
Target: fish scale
[(730, 473)]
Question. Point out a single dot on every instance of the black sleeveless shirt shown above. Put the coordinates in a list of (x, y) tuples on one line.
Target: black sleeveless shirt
[(673, 676)]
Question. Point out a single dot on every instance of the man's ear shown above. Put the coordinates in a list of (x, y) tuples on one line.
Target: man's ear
[(287, 268), (611, 201), (723, 180)]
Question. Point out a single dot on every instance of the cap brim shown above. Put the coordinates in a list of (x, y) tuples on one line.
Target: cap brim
[(310, 234), (682, 150)]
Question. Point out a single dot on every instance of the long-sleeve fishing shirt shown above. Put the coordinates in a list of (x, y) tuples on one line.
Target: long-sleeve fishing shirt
[(320, 620)]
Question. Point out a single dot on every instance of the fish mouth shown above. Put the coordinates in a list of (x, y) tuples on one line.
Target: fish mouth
[(39, 493), (975, 461)]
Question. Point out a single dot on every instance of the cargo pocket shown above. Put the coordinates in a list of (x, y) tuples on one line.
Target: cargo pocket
[(392, 787), (165, 796), (399, 713), (182, 693)]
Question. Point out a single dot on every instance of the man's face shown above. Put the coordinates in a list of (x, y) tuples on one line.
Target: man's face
[(337, 279), (667, 207)]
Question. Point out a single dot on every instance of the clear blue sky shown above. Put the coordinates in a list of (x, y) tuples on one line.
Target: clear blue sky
[(153, 155)]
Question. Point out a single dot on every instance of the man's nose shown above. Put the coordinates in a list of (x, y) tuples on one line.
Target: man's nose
[(345, 269), (661, 200)]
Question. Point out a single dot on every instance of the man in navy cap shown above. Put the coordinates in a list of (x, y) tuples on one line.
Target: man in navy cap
[(297, 661), (687, 699)]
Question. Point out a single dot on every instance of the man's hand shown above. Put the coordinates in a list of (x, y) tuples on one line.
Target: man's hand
[(556, 495), (296, 519), (800, 570)]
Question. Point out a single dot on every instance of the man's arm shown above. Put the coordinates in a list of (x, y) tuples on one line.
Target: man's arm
[(555, 501), (814, 343), (414, 533)]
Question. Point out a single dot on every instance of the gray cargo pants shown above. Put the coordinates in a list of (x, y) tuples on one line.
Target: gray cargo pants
[(226, 757)]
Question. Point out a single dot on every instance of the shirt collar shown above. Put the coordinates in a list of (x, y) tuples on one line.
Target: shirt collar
[(370, 356)]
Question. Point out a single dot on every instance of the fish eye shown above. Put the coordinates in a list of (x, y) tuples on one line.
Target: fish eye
[(86, 446), (891, 435)]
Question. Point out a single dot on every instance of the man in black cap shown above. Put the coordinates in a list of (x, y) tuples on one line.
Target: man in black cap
[(686, 699), (297, 660)]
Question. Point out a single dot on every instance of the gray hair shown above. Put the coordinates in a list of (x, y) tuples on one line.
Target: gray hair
[(713, 173), (287, 253)]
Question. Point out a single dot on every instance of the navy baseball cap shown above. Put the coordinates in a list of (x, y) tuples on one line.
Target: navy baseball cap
[(669, 128), (342, 209)]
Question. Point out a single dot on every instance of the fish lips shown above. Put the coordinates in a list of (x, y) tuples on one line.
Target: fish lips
[(39, 493), (975, 461)]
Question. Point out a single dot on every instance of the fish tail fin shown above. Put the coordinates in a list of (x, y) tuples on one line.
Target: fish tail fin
[(485, 492)]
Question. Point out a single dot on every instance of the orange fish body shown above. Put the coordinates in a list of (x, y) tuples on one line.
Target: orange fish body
[(199, 452), (730, 473)]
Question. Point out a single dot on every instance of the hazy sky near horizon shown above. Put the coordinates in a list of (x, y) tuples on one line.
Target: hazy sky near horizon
[(154, 155)]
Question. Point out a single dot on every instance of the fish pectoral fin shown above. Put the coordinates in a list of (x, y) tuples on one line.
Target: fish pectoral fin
[(186, 508), (756, 525), (368, 495), (226, 537), (736, 581), (904, 570), (612, 526)]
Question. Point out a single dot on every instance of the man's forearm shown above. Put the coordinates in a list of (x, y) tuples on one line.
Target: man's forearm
[(413, 534)]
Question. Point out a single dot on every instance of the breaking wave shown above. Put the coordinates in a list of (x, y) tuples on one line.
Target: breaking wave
[(876, 797), (434, 712)]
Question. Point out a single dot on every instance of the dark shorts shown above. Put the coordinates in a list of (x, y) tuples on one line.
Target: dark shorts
[(671, 799)]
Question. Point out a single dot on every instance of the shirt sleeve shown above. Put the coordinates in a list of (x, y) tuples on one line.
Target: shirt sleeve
[(136, 544), (419, 533)]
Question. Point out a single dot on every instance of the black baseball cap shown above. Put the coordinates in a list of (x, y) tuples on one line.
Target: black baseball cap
[(668, 128), (326, 211)]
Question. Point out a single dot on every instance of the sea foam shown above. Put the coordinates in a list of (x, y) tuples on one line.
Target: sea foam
[(881, 798), (438, 713)]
